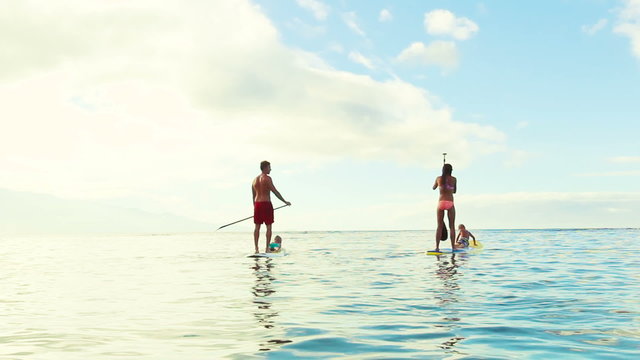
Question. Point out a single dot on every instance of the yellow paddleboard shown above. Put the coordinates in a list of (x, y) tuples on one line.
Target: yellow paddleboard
[(478, 246)]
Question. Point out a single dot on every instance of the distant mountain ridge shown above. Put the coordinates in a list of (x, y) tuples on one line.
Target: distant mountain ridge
[(24, 212)]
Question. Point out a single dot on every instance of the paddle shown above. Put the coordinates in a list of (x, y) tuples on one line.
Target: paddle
[(444, 235), (247, 218)]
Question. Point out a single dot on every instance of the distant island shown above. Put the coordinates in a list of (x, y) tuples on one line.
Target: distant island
[(29, 213)]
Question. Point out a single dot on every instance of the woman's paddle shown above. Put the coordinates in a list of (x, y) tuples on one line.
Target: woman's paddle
[(247, 218), (444, 234)]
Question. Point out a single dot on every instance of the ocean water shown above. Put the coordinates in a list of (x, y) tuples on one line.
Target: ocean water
[(530, 294)]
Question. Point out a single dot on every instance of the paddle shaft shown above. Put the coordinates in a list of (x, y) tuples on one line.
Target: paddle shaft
[(247, 218)]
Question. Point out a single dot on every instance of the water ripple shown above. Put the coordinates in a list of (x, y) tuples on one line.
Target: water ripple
[(365, 295)]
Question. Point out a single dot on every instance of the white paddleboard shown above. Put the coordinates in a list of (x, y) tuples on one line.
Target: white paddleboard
[(280, 253)]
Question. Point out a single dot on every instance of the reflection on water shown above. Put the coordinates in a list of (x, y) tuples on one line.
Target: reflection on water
[(447, 271), (337, 295), (262, 290)]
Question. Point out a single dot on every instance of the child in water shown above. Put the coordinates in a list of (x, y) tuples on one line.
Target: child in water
[(276, 245), (462, 240)]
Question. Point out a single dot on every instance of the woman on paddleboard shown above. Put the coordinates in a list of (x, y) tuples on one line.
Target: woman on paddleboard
[(448, 186)]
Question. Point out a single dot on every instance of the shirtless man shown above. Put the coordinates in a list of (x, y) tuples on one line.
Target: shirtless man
[(262, 208)]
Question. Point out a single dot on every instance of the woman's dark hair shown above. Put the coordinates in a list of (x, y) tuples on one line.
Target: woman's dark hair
[(446, 171)]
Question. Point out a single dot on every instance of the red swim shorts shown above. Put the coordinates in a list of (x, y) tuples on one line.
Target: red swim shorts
[(263, 213)]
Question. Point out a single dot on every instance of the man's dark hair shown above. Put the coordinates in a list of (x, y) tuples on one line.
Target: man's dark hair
[(264, 164)]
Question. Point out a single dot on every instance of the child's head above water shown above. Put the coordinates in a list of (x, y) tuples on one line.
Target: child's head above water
[(276, 244), (461, 227)]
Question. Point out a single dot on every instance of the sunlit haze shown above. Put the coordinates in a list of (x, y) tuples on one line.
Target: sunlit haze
[(145, 116)]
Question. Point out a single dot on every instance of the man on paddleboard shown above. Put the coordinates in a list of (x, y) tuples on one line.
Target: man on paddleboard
[(262, 208)]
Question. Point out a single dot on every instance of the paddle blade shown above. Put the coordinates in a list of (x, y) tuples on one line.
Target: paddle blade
[(445, 234)]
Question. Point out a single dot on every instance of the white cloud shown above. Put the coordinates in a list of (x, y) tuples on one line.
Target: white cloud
[(336, 47), (135, 100), (549, 209), (319, 9), (629, 24), (630, 10), (625, 159), (385, 16), (518, 158), (351, 20), (593, 29), (482, 9), (440, 53), (544, 197), (444, 22), (618, 210), (522, 124), (300, 27), (358, 58), (612, 174)]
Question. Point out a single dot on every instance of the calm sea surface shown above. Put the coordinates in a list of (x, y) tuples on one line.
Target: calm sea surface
[(530, 294)]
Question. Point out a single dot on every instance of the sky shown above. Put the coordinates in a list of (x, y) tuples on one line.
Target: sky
[(169, 107)]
